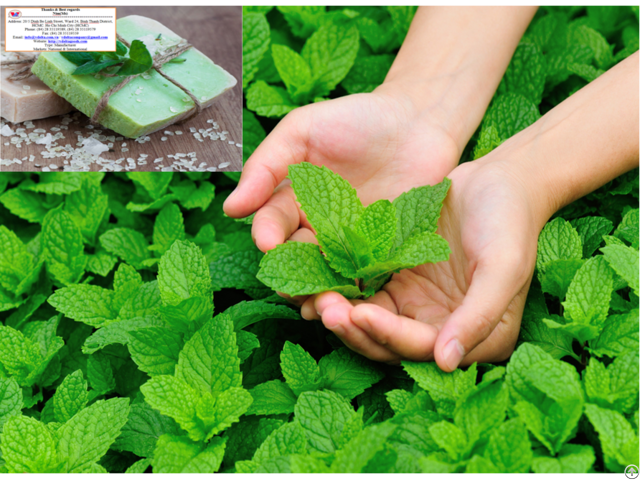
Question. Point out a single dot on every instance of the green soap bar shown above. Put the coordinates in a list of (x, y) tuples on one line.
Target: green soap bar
[(149, 102)]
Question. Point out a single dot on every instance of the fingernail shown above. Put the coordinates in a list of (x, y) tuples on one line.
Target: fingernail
[(453, 353)]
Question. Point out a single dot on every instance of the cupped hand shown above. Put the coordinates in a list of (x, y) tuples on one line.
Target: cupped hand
[(467, 309), (377, 141)]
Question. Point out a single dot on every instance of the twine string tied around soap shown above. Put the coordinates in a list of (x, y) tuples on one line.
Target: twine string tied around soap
[(26, 61), (158, 62)]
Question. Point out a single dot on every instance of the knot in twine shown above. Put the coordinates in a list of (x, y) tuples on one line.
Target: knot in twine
[(25, 72), (158, 61)]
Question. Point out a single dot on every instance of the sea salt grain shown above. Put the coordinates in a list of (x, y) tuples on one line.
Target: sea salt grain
[(224, 165), (93, 146)]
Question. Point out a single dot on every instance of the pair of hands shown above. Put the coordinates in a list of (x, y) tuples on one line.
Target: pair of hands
[(465, 310)]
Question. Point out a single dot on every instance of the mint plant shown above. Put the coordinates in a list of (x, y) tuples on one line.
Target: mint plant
[(363, 244), (136, 337)]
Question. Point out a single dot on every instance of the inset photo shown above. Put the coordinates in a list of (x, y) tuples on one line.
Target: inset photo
[(169, 99)]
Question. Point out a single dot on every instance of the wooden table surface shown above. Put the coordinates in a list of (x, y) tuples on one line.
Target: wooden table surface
[(217, 32)]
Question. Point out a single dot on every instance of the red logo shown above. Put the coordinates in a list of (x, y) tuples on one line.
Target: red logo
[(15, 14)]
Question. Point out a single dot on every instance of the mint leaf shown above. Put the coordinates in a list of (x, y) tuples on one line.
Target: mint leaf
[(526, 73), (62, 247), (299, 369), (28, 446), (624, 261), (614, 386), (70, 397), (286, 440), (255, 43), (331, 52), (300, 269), (303, 20), (30, 206), (558, 241), (272, 398), (368, 72), (591, 231), (183, 273), (155, 349), (322, 415), (268, 101), (294, 71), (139, 60), (570, 459), (128, 244), (509, 448), (510, 113), (88, 304), (167, 228), (10, 400), (354, 456), (175, 454), (488, 141), (558, 275), (347, 373), (619, 335)]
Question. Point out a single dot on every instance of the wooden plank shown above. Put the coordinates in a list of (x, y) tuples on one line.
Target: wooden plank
[(217, 32)]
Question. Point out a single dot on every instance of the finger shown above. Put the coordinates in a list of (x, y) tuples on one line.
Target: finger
[(297, 301), (303, 235), (493, 286), (269, 164), (276, 220), (404, 336), (335, 316)]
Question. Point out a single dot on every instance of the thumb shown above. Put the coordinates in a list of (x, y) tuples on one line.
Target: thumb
[(269, 164), (493, 286)]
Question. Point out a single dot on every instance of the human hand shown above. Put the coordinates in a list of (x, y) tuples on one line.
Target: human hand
[(467, 309), (377, 141)]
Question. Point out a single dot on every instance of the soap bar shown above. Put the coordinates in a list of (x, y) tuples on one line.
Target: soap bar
[(27, 99), (149, 102)]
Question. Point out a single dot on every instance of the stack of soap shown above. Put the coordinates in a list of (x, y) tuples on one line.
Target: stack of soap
[(27, 99), (147, 103)]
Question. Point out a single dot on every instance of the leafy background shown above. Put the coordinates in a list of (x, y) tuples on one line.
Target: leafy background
[(114, 356)]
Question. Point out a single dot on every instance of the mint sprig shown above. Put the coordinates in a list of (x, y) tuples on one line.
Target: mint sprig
[(123, 62), (361, 247)]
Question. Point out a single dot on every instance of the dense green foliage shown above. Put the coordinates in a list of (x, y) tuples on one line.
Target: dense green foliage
[(115, 357)]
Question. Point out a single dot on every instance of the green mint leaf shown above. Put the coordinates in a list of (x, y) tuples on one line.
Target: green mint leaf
[(299, 268), (286, 440), (85, 438), (245, 437), (28, 446), (56, 183), (222, 411), (367, 73), (193, 196), (589, 294), (247, 343), (175, 454), (329, 202), (618, 439), (101, 263), (381, 37), (255, 43), (624, 261), (168, 228), (245, 313), (303, 20), (585, 36), (236, 270), (331, 52), (560, 58), (510, 113), (209, 360), (354, 456), (444, 388), (88, 207), (93, 67), (88, 304), (299, 369), (629, 228), (62, 247), (401, 16), (554, 341), (154, 185), (16, 263), (479, 464), (614, 386), (591, 231), (347, 373), (19, 355), (70, 397), (418, 210), (558, 241), (526, 73), (100, 374), (155, 349), (139, 60), (450, 438), (548, 31), (322, 415), (619, 335), (176, 399), (272, 398), (570, 459), (30, 206), (130, 245), (10, 400), (377, 225), (268, 101), (509, 448), (183, 273), (558, 275), (488, 141), (294, 72)]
